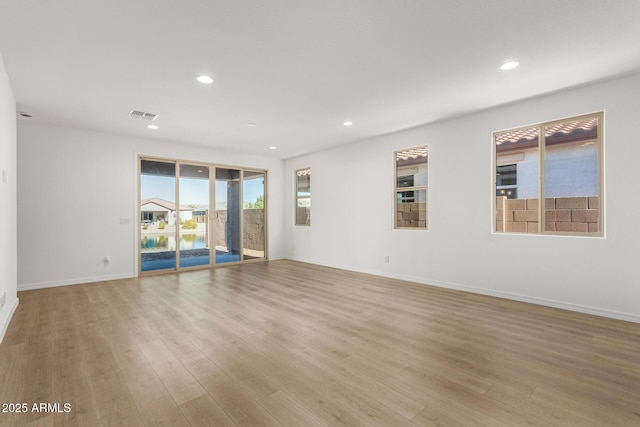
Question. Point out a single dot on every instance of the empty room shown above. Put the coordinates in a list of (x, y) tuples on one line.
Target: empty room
[(319, 213)]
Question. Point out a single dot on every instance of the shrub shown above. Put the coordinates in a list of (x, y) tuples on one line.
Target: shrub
[(190, 224)]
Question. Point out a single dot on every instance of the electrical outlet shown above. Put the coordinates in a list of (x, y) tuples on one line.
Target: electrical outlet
[(106, 261), (386, 258), (3, 300)]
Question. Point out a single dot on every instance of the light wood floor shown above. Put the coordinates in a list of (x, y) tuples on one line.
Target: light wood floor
[(286, 343)]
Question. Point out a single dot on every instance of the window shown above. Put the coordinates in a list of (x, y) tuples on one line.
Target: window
[(548, 178), (411, 185), (506, 181), (303, 196)]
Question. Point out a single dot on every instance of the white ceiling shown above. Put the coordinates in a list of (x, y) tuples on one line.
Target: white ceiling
[(299, 68)]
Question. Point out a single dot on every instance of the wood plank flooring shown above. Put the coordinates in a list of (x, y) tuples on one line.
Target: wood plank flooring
[(293, 344)]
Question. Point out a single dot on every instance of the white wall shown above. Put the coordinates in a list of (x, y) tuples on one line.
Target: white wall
[(75, 186), (8, 226), (352, 210)]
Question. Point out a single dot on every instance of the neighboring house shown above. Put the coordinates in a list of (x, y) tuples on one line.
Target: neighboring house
[(155, 211), (412, 170), (571, 161), (200, 213)]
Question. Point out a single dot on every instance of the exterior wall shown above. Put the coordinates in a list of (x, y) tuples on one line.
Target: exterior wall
[(303, 214), (252, 228), (420, 173), (186, 215), (569, 172), (566, 214), (527, 175), (411, 215)]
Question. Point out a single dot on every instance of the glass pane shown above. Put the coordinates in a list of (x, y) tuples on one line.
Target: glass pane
[(303, 211), (517, 189), (571, 176), (253, 214), (227, 216), (303, 182), (194, 215), (412, 167), (411, 209), (157, 215)]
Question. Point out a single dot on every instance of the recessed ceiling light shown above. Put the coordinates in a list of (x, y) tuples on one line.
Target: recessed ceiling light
[(509, 65), (152, 126), (251, 124), (347, 123), (273, 148), (205, 79)]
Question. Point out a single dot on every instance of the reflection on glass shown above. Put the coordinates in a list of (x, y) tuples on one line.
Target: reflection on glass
[(157, 215), (227, 215), (253, 227), (194, 215)]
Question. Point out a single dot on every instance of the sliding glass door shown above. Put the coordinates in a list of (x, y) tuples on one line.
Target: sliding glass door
[(180, 227), (228, 221), (253, 215), (194, 215), (157, 215)]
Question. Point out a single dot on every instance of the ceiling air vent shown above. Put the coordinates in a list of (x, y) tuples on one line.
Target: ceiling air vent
[(142, 115)]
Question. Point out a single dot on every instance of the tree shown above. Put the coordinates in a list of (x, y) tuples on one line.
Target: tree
[(258, 204)]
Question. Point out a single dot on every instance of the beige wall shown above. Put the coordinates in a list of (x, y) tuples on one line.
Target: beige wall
[(568, 214), (411, 215)]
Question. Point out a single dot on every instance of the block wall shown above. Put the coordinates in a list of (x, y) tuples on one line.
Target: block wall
[(303, 215), (252, 231), (565, 214), (411, 215)]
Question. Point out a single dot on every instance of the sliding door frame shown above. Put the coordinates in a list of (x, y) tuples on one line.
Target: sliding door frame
[(212, 232)]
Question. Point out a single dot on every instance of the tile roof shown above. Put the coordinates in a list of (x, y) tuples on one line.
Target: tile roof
[(412, 153), (171, 206), (561, 129)]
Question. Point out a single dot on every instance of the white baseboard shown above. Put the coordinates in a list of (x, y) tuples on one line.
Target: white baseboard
[(8, 320), (79, 281), (595, 311)]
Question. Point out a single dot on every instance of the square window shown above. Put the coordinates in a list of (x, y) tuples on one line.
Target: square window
[(548, 178)]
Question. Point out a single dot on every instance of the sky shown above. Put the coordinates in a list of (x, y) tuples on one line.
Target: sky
[(194, 191)]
